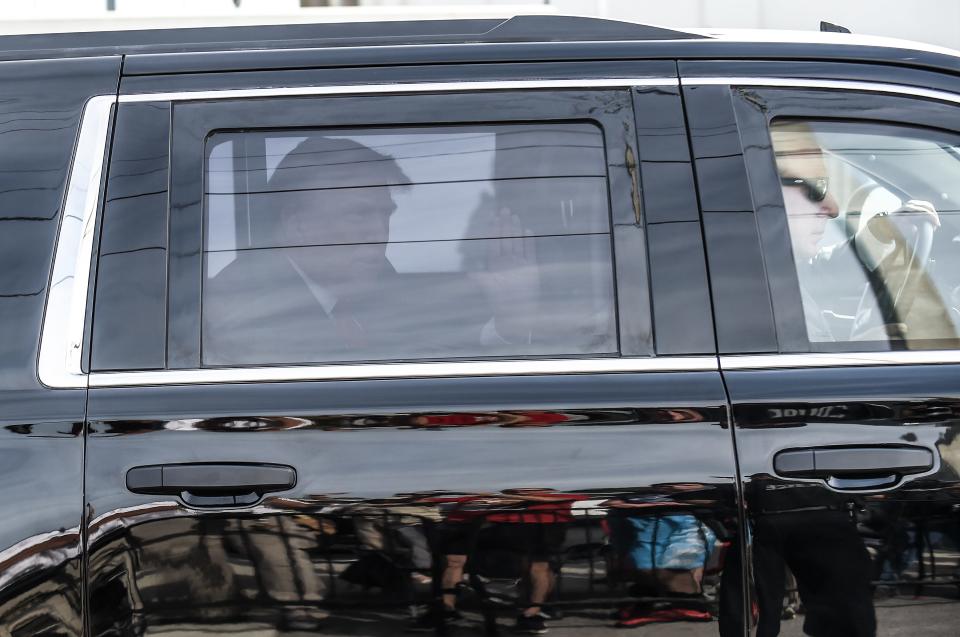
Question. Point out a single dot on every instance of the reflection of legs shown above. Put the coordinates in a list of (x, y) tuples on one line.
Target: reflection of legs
[(833, 571), (770, 573), (449, 543), (541, 543), (675, 581), (732, 604), (452, 576), (278, 548), (541, 583), (369, 530), (412, 536)]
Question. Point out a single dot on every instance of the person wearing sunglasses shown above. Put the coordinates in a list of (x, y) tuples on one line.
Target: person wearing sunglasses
[(810, 204), (806, 188)]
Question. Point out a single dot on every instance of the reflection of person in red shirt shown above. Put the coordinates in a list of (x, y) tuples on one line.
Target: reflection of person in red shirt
[(531, 522), (504, 419), (453, 420), (534, 522), (537, 419)]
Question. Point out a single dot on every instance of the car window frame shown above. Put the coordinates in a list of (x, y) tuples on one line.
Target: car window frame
[(195, 120), (66, 323), (757, 102)]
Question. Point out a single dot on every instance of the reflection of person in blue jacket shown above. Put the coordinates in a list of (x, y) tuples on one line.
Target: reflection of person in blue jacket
[(665, 547)]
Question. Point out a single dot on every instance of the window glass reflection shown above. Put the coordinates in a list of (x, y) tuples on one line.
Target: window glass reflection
[(875, 231), (407, 243)]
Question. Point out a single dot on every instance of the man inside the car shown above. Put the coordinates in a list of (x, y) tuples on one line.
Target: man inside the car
[(324, 289)]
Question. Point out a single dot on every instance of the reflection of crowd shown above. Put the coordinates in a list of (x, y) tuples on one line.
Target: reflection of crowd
[(447, 556), (436, 420), (519, 528), (663, 553), (666, 549)]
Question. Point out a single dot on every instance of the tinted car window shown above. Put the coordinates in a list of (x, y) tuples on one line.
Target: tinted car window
[(406, 243), (875, 231)]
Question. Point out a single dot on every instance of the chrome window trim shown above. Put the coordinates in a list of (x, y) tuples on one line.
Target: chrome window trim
[(848, 85), (445, 369), (839, 359), (59, 361), (381, 89)]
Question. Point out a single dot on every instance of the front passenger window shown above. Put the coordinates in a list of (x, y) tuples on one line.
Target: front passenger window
[(406, 243), (875, 230)]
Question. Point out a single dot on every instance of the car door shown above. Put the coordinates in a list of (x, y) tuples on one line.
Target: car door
[(44, 173), (837, 329), (366, 359)]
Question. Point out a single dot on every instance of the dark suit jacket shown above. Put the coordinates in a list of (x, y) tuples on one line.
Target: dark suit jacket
[(259, 310)]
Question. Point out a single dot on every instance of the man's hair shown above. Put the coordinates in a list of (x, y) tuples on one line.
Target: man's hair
[(794, 140), (319, 163)]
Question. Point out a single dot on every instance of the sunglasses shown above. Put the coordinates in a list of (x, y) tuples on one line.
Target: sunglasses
[(815, 189)]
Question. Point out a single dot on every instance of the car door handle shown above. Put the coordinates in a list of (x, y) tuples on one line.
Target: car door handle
[(861, 467), (212, 484)]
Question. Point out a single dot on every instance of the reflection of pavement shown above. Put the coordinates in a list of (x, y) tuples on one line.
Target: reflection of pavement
[(357, 624), (898, 617), (903, 617)]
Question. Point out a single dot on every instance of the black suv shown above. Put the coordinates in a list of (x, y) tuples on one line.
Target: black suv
[(546, 323)]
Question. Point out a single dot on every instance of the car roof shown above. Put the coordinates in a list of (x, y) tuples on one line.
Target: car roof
[(829, 38), (533, 28), (520, 38)]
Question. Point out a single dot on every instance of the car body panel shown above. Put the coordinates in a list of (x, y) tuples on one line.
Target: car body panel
[(41, 430)]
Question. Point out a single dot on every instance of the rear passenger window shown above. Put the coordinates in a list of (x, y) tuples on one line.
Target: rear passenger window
[(872, 211), (406, 243)]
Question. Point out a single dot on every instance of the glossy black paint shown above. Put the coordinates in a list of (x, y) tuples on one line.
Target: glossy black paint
[(772, 226), (673, 225), (717, 154), (41, 437), (414, 73), (736, 282), (859, 562), (381, 466), (864, 562), (129, 331), (360, 56), (681, 297), (662, 135), (736, 265), (656, 442)]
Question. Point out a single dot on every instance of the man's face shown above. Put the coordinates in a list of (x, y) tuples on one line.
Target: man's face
[(803, 176), (346, 229)]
